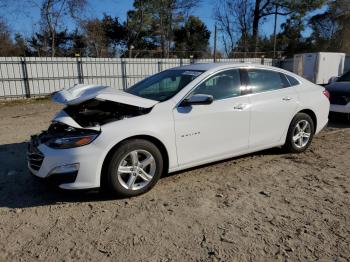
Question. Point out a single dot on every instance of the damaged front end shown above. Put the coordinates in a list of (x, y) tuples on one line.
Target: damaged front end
[(79, 124), (87, 108), (56, 151), (96, 112), (62, 136), (58, 136), (90, 106)]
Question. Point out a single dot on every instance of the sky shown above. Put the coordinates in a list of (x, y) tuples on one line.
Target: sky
[(23, 18)]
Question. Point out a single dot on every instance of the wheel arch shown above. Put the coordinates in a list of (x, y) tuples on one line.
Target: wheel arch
[(312, 114), (149, 138)]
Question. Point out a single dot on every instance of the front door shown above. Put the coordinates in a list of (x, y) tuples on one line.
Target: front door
[(217, 130)]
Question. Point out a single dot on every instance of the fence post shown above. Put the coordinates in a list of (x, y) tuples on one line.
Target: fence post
[(160, 66), (181, 62), (262, 60), (80, 70), (25, 77), (124, 82)]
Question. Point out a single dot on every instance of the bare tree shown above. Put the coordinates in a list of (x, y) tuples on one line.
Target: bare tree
[(8, 47), (234, 18), (265, 8), (5, 40), (95, 37), (170, 13), (53, 12), (246, 16), (157, 19)]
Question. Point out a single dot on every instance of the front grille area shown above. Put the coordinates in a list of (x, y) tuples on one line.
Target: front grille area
[(339, 99), (34, 156)]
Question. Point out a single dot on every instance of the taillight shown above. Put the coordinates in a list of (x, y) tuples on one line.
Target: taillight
[(326, 93)]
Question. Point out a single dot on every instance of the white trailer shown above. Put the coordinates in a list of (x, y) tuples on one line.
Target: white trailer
[(319, 67)]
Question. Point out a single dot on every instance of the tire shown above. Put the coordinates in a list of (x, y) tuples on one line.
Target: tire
[(298, 141), (124, 177)]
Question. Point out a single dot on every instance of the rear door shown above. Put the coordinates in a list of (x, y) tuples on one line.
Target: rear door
[(273, 105)]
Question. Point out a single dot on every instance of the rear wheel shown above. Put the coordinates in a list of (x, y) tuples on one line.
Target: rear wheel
[(134, 168), (300, 133)]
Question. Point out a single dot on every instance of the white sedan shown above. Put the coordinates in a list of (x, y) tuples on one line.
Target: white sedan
[(187, 116)]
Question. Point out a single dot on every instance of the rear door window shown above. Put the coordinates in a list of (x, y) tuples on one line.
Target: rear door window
[(292, 80), (261, 80)]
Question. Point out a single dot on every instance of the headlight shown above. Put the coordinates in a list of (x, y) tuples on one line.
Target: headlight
[(70, 142)]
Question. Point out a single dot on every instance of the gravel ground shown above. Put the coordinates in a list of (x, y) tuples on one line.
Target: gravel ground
[(262, 207)]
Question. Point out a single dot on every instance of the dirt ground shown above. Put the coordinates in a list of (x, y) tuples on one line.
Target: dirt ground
[(262, 207)]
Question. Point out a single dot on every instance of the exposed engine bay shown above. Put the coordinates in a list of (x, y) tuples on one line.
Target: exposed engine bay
[(87, 116), (98, 112)]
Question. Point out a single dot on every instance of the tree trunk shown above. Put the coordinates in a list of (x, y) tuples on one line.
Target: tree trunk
[(53, 43), (256, 21), (162, 37)]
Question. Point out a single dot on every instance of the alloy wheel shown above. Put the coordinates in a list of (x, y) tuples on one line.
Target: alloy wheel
[(136, 169), (301, 133)]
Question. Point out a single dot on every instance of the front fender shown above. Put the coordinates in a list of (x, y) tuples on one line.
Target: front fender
[(116, 132)]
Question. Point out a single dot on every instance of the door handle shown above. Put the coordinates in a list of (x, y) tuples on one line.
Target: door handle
[(286, 98), (239, 107)]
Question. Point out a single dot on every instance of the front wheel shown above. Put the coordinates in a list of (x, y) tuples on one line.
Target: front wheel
[(300, 133), (134, 168)]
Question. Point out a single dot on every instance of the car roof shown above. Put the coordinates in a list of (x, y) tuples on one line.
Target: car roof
[(210, 66)]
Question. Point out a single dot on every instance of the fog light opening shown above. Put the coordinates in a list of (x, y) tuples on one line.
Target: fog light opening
[(70, 168)]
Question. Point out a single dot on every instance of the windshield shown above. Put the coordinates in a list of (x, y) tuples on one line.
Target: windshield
[(164, 85), (344, 78)]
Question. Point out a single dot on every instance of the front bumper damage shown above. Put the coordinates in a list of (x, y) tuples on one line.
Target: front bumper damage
[(74, 168), (61, 174), (87, 109)]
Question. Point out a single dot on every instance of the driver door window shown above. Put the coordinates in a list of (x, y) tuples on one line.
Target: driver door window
[(223, 85)]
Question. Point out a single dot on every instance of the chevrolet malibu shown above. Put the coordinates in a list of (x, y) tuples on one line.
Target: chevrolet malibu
[(123, 141)]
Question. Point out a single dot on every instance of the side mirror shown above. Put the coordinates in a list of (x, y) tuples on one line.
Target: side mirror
[(333, 79), (198, 99)]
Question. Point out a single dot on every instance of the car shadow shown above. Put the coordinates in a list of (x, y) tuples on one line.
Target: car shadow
[(337, 120), (20, 189), (271, 151)]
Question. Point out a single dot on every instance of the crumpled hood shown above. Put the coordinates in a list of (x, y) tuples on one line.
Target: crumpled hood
[(343, 87), (79, 93), (63, 117)]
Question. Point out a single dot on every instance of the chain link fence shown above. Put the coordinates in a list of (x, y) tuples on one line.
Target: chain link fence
[(22, 77)]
